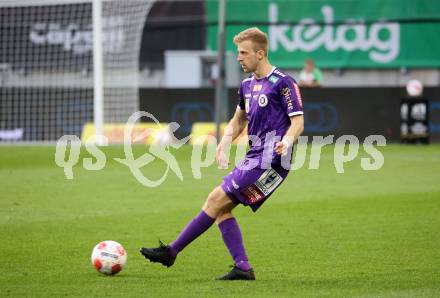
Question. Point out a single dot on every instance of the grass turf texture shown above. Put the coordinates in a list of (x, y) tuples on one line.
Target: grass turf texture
[(362, 234)]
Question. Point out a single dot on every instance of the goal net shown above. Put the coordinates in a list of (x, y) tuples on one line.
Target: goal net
[(65, 63)]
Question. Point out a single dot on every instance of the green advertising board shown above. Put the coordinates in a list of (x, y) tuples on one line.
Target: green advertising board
[(338, 33)]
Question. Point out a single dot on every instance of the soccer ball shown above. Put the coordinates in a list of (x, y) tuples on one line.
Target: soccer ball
[(109, 257), (414, 88)]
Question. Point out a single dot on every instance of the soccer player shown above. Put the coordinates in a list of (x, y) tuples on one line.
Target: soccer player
[(270, 104)]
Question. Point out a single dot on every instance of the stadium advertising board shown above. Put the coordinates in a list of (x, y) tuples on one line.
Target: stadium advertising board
[(141, 133), (338, 111), (339, 33), (52, 113), (34, 38)]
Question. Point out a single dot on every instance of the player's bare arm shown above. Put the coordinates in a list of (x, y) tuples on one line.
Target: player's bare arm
[(234, 128), (295, 130)]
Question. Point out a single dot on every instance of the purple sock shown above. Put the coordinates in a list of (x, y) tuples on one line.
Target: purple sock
[(234, 242), (194, 229)]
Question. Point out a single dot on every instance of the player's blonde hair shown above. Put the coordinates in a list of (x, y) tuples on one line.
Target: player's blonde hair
[(256, 36)]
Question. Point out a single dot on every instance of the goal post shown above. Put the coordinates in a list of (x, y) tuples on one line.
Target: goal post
[(98, 71), (64, 63)]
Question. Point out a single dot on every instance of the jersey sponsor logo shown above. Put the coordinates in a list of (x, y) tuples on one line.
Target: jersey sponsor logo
[(273, 79), (262, 100), (252, 194), (298, 94), (257, 87), (287, 96), (268, 181)]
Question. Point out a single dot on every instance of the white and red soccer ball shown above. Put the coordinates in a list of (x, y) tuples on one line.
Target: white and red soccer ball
[(414, 88), (109, 257)]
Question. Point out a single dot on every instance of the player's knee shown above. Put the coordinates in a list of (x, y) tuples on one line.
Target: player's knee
[(215, 203), (213, 200), (224, 215)]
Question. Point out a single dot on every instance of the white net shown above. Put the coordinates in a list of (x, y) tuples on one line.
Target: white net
[(46, 65)]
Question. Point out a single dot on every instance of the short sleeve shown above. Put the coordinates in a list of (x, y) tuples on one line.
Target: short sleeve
[(241, 97), (291, 97)]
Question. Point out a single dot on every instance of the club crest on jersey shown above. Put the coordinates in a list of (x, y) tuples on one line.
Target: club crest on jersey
[(262, 100), (257, 87)]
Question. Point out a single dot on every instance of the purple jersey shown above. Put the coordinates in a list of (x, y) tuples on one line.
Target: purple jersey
[(269, 103)]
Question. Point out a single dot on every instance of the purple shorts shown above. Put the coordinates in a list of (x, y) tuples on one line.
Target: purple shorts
[(253, 187)]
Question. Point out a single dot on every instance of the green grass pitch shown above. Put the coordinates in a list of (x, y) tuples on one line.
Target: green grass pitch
[(357, 234)]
